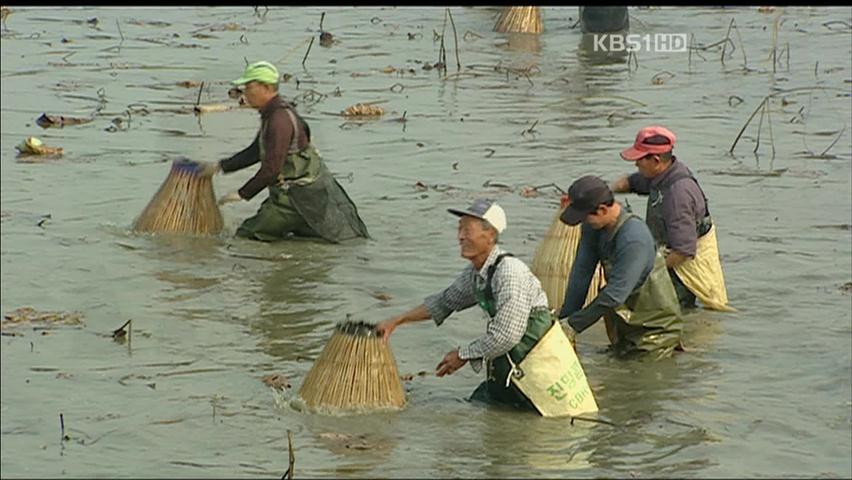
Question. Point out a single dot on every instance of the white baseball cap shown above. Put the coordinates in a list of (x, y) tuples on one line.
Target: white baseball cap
[(484, 209)]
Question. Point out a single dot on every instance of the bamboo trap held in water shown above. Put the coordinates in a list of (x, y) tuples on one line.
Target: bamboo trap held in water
[(355, 372), (553, 260), (185, 203), (519, 19)]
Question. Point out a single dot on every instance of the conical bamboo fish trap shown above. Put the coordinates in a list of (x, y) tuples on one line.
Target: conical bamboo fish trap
[(554, 258), (519, 19), (185, 203), (355, 372)]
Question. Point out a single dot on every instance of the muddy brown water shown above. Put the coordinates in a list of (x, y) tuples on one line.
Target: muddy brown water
[(763, 392)]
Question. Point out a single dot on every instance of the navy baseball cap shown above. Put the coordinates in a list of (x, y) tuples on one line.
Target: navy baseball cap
[(585, 195)]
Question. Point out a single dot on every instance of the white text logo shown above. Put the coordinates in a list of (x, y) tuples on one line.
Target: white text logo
[(657, 42)]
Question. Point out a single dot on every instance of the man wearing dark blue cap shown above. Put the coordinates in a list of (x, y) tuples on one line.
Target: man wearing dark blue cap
[(638, 302)]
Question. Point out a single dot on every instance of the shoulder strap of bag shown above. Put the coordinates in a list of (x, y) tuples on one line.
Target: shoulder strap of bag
[(294, 142), (489, 293)]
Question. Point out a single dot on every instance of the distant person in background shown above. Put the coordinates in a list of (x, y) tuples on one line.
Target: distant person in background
[(638, 301), (604, 19), (678, 217), (304, 197)]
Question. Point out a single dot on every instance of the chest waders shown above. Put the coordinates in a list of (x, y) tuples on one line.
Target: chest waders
[(307, 200), (657, 223), (654, 211), (650, 319), (498, 383)]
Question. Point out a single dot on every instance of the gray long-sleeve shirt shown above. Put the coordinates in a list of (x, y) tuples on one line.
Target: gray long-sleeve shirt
[(683, 205), (631, 253)]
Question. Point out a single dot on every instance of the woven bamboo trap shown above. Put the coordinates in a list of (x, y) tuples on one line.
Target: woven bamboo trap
[(356, 372), (520, 20), (554, 258), (185, 203)]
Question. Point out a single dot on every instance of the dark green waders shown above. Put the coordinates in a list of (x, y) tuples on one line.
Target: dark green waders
[(494, 390)]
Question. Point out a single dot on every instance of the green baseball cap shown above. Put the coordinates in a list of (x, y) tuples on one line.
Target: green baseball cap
[(263, 72)]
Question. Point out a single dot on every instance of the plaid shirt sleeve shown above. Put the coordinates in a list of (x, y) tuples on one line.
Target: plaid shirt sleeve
[(513, 306), (458, 296)]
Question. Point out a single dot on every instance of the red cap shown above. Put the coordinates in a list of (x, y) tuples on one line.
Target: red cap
[(653, 139)]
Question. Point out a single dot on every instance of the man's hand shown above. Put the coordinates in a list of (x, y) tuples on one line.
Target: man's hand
[(385, 328), (231, 197), (208, 169), (674, 259), (450, 363), (620, 185), (571, 334)]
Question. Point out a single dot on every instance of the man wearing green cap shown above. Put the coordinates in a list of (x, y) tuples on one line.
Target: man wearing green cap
[(304, 197)]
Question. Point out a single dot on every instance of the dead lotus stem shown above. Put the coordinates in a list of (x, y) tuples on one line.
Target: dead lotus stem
[(291, 461), (760, 126), (121, 328), (198, 98), (835, 141), (632, 55), (456, 37), (771, 136), (690, 48), (307, 52), (845, 24), (775, 23), (765, 99), (61, 424), (728, 39), (443, 59)]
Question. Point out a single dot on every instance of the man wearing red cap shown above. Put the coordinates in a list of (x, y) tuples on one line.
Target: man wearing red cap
[(678, 217)]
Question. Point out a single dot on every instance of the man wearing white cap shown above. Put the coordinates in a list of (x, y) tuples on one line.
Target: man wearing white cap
[(508, 292), (304, 197)]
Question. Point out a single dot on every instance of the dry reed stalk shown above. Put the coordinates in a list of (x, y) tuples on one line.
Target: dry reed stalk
[(184, 203), (356, 371), (554, 258), (519, 19)]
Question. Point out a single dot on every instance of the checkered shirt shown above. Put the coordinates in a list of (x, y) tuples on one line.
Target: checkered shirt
[(516, 292)]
